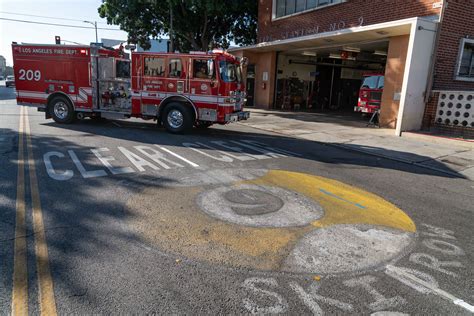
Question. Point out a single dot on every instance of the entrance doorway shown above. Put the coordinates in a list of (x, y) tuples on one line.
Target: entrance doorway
[(326, 79), (250, 84)]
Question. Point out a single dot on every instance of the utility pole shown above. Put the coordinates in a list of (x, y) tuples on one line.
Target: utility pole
[(95, 26)]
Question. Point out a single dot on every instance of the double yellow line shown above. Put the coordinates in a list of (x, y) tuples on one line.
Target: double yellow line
[(20, 267)]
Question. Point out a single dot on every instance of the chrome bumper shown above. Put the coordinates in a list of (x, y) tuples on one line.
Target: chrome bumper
[(238, 116)]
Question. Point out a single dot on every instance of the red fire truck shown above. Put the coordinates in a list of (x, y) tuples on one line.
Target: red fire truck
[(370, 93), (178, 90)]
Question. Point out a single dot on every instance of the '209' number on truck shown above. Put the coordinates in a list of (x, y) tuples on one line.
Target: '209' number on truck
[(30, 75)]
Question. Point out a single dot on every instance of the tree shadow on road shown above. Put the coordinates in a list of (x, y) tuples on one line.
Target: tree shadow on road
[(86, 219), (329, 153)]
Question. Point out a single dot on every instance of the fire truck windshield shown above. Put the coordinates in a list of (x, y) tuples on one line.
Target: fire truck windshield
[(229, 72), (373, 82)]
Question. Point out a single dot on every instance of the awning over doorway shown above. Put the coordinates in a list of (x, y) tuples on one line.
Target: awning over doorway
[(347, 36), (417, 68)]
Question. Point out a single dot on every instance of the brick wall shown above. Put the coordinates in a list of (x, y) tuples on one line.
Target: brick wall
[(429, 121), (430, 111), (458, 22), (344, 15)]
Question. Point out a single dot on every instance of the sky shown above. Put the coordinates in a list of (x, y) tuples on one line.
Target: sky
[(80, 10)]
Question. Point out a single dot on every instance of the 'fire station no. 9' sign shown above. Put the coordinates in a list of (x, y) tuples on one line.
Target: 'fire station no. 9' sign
[(29, 75)]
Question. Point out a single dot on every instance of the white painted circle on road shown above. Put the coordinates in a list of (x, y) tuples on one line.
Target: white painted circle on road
[(259, 206), (346, 248)]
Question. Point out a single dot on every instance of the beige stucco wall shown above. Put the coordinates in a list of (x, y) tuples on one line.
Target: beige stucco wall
[(394, 71), (264, 62)]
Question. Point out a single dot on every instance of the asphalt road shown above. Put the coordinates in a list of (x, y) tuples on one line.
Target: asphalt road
[(122, 217)]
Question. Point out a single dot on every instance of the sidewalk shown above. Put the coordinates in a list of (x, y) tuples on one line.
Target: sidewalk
[(454, 157)]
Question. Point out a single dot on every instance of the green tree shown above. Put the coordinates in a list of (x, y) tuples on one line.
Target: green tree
[(197, 24)]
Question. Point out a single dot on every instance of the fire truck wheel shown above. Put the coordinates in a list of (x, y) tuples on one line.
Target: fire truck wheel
[(178, 118), (61, 110)]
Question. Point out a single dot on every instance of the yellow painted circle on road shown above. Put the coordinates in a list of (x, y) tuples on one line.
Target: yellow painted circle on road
[(342, 203), (171, 219)]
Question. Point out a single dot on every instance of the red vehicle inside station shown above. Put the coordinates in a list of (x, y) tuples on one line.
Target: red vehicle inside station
[(370, 93)]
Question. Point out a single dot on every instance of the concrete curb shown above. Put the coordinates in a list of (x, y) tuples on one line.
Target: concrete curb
[(469, 144), (342, 146)]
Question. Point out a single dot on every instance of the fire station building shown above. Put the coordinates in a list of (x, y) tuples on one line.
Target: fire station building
[(314, 54)]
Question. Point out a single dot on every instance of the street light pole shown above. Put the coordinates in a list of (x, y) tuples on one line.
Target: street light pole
[(95, 26)]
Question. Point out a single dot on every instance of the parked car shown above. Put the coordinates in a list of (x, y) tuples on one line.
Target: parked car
[(2, 78), (10, 81)]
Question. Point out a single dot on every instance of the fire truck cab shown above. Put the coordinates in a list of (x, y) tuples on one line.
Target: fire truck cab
[(178, 90), (370, 93)]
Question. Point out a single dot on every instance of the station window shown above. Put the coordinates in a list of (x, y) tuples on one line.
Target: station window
[(288, 7), (154, 67), (176, 68), (203, 68), (466, 60)]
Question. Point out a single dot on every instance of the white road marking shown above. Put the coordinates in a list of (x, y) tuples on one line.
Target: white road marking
[(280, 306), (244, 157), (66, 175), (381, 302), (438, 232), (136, 160), (195, 146), (414, 279), (443, 247), (178, 156), (310, 298), (278, 150), (85, 174), (435, 264), (106, 162), (267, 153), (157, 157)]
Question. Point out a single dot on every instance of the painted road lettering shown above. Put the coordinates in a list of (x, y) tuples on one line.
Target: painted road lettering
[(106, 162), (381, 302), (265, 290), (265, 152), (157, 157), (280, 305), (136, 160), (435, 264), (198, 146), (423, 282), (438, 232), (66, 175), (192, 164), (242, 157), (443, 246), (85, 174), (310, 298)]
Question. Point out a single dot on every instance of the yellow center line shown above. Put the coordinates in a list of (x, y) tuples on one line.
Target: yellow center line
[(45, 281), (20, 271)]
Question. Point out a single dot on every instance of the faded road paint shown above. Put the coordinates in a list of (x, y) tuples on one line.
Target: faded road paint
[(376, 211), (263, 240)]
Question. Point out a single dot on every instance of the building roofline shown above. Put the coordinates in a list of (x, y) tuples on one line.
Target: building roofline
[(351, 30)]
